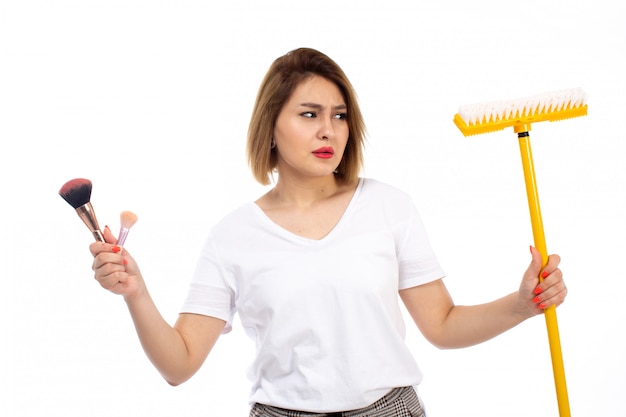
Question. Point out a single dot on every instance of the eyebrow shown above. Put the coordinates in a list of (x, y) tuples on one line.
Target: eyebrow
[(319, 106)]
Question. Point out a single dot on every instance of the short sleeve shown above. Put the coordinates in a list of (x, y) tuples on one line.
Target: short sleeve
[(417, 261), (209, 293)]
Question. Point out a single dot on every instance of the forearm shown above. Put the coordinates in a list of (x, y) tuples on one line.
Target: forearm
[(470, 325), (449, 326), (162, 343), (176, 351)]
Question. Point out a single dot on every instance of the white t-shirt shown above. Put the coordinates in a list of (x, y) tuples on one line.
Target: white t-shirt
[(324, 314)]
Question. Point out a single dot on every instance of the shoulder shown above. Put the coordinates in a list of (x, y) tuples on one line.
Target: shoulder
[(394, 204), (235, 221), (372, 188)]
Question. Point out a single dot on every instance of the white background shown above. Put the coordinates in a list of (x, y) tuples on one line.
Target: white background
[(151, 100)]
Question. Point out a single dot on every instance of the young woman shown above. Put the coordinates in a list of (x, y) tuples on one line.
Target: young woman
[(314, 267)]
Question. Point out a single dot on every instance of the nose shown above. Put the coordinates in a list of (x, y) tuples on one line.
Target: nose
[(327, 130)]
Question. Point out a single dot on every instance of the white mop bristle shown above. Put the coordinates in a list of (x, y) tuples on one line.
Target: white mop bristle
[(496, 115)]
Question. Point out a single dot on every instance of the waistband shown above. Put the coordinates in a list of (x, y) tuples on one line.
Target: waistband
[(399, 402)]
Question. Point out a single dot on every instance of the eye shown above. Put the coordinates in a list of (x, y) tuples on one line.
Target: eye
[(341, 116), (308, 114)]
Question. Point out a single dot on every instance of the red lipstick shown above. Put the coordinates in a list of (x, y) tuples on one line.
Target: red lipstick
[(325, 152)]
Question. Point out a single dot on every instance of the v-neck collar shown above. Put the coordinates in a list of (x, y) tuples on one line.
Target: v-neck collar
[(295, 237)]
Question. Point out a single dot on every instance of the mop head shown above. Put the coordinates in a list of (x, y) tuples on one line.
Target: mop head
[(480, 118)]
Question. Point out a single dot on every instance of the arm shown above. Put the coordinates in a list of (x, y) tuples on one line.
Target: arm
[(176, 351), (449, 326)]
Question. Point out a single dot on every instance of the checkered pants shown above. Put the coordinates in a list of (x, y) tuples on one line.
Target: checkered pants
[(400, 402)]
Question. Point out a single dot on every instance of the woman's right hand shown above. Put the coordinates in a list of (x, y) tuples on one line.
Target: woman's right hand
[(114, 268), (177, 352)]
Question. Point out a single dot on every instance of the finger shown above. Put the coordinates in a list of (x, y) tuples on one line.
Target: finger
[(105, 265), (109, 266), (551, 265), (553, 291), (553, 283), (532, 273), (550, 269), (109, 282), (105, 258), (96, 247), (554, 296), (108, 235), (536, 261)]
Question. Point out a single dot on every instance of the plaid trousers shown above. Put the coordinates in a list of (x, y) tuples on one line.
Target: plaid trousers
[(400, 402)]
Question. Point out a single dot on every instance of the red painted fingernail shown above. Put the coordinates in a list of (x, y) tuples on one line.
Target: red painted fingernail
[(542, 306), (544, 274), (538, 290), (536, 300), (116, 249), (125, 262)]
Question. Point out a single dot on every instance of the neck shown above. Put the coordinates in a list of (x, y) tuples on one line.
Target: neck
[(305, 192)]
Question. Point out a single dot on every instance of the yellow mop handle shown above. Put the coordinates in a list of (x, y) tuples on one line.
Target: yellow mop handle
[(540, 244)]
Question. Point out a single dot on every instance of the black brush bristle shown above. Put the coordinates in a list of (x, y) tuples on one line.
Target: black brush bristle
[(76, 192)]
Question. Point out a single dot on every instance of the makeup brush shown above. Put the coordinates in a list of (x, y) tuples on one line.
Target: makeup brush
[(127, 220), (77, 193)]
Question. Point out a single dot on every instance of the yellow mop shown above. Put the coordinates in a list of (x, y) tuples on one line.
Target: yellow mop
[(520, 114)]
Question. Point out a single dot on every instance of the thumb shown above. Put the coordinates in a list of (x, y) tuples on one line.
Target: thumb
[(108, 235), (532, 273)]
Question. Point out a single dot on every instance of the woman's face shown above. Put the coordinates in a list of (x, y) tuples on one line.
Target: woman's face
[(311, 131)]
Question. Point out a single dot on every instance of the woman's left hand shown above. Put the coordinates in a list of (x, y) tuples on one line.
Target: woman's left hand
[(536, 295)]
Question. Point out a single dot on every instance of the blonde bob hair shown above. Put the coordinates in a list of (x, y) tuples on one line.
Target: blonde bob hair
[(282, 78)]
